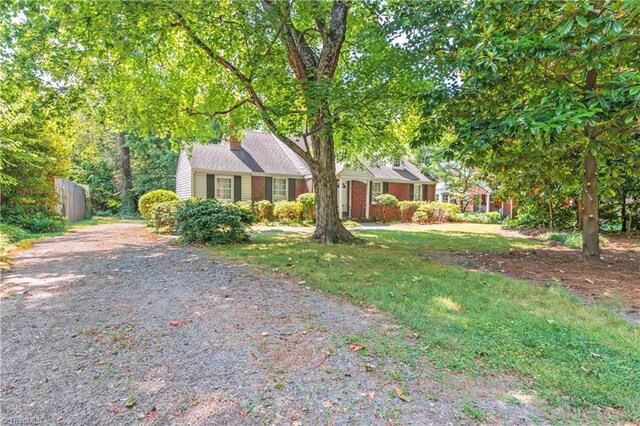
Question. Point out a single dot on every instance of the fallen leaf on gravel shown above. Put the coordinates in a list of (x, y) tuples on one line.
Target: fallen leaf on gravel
[(355, 347), (265, 334), (401, 394), (589, 281), (130, 402), (371, 395), (327, 404), (117, 410), (151, 415), (178, 323)]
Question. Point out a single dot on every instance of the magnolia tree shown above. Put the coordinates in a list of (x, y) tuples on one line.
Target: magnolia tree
[(319, 75), (531, 79)]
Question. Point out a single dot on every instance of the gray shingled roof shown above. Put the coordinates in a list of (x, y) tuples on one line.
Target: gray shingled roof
[(259, 154), (263, 153)]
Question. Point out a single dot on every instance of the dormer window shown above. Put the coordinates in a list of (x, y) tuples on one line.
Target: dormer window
[(397, 164)]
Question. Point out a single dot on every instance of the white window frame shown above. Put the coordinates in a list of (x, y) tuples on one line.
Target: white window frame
[(279, 197), (218, 188), (444, 197), (397, 164), (375, 193), (417, 192)]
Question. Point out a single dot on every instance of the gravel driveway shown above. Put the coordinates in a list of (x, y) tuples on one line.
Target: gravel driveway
[(111, 325)]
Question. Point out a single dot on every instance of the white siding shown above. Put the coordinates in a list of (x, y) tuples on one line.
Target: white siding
[(183, 177), (246, 188), (200, 185)]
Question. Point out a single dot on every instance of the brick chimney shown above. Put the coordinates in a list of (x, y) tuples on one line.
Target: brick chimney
[(234, 143)]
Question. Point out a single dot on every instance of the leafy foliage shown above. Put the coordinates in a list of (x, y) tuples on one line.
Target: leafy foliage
[(473, 217), (288, 211), (434, 212), (264, 211), (209, 221), (163, 215), (308, 202), (148, 200)]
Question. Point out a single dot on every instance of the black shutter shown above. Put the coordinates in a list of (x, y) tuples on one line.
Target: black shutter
[(411, 188), (292, 189), (211, 186), (237, 188), (268, 191), (371, 192), (425, 192), (385, 187)]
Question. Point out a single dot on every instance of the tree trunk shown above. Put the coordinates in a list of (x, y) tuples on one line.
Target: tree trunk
[(550, 214), (329, 228), (128, 205), (623, 213), (590, 227), (580, 214)]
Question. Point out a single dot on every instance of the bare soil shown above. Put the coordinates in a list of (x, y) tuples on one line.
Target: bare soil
[(615, 280), (111, 325)]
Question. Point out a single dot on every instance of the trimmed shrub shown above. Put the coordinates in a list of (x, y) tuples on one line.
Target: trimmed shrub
[(387, 202), (308, 201), (149, 199), (263, 210), (163, 215), (408, 208), (434, 212), (473, 217), (243, 205), (209, 221), (288, 211)]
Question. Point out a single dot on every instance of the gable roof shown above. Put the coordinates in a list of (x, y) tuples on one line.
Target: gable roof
[(264, 153), (259, 154)]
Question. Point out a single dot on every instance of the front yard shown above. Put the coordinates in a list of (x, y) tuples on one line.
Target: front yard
[(582, 360)]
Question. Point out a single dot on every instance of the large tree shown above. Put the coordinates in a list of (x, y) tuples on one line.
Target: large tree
[(532, 76), (317, 74)]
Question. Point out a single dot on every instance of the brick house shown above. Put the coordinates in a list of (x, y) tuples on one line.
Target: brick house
[(260, 167), (482, 200)]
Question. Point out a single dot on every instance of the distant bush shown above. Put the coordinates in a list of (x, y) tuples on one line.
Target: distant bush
[(154, 197), (288, 211), (434, 212), (209, 221), (569, 239), (263, 210), (244, 205), (163, 215), (473, 217), (308, 202)]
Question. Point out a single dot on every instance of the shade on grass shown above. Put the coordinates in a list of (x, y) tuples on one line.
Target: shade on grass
[(571, 352)]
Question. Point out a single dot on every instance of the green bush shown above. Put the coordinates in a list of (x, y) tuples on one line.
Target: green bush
[(13, 233), (263, 210), (44, 225), (408, 209), (209, 221), (434, 211), (163, 215), (149, 199), (473, 217), (33, 218), (288, 211), (308, 202), (569, 239), (243, 205), (386, 200)]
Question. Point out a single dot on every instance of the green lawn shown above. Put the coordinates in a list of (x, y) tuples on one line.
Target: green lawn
[(572, 354)]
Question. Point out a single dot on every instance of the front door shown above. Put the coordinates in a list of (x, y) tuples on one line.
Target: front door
[(344, 199)]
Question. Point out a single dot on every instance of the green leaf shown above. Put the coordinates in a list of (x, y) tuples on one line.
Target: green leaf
[(581, 21)]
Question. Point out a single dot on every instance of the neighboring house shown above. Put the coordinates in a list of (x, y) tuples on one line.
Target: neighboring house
[(260, 167), (481, 199)]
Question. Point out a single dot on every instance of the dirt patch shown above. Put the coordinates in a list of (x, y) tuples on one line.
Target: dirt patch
[(615, 280), (110, 325)]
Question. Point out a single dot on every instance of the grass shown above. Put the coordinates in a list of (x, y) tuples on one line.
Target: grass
[(572, 355)]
